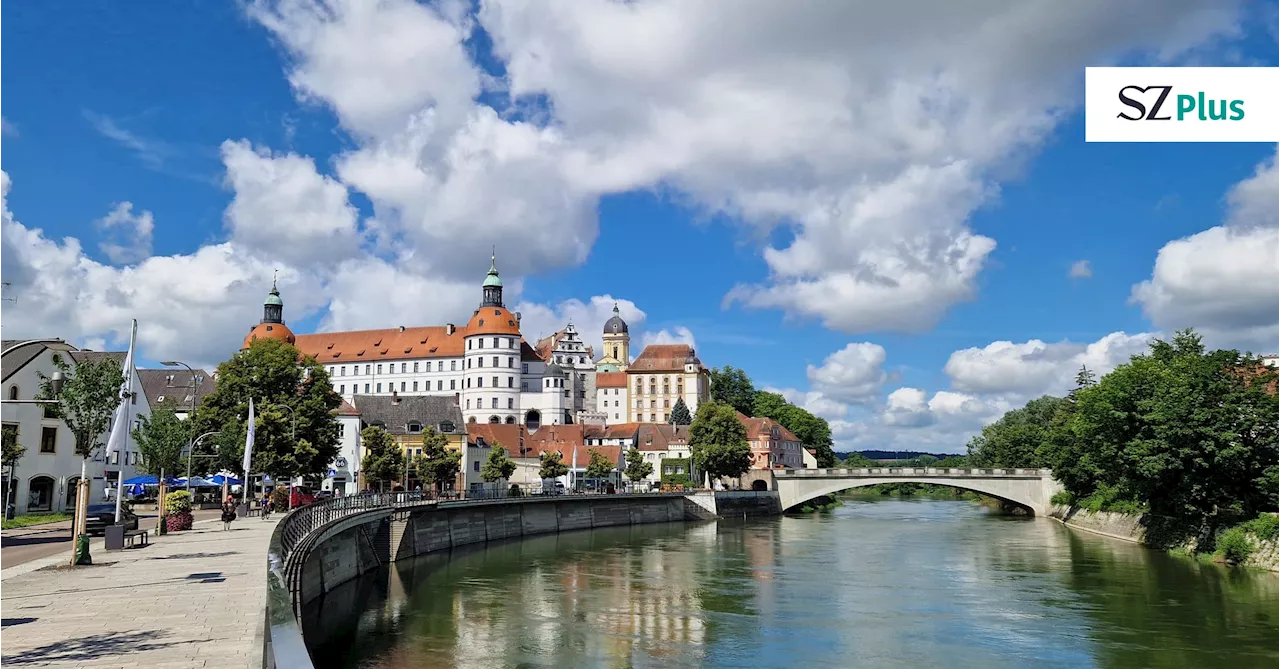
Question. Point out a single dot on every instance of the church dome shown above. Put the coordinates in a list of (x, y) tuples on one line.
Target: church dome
[(615, 325), (269, 331), (490, 320)]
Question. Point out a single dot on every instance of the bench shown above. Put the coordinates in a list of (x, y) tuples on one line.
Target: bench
[(131, 535)]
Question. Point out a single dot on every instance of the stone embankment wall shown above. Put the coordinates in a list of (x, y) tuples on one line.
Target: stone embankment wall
[(1116, 525), (1131, 527), (386, 537)]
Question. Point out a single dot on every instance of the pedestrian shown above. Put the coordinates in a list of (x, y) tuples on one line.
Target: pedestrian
[(266, 505), (228, 514)]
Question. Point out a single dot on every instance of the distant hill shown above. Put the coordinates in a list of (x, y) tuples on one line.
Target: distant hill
[(896, 455)]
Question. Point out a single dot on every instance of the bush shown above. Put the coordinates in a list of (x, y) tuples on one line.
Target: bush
[(1107, 498), (280, 499), (1265, 527), (515, 491), (1063, 498), (177, 503), (178, 521), (1234, 545)]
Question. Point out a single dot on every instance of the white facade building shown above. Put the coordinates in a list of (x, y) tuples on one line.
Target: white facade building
[(48, 472)]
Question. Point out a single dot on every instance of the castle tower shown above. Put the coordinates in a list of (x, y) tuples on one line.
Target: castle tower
[(491, 358), (272, 324), (617, 344)]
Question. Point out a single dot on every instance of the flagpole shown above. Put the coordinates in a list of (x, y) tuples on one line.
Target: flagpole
[(123, 451)]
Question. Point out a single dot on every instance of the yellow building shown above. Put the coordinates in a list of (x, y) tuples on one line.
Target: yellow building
[(406, 419), (617, 345), (661, 375)]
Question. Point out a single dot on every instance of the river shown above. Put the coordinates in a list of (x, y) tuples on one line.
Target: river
[(884, 583)]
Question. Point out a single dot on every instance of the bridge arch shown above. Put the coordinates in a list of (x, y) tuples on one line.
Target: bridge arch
[(1030, 489)]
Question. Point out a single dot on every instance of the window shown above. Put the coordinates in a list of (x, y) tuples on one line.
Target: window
[(524, 368), (342, 389), (342, 371), (524, 386), (446, 426), (615, 391), (439, 384), (475, 467), (366, 388), (493, 404), (415, 367), (495, 361), (559, 359), (468, 406), (666, 404), (479, 362), (414, 427), (379, 387), (51, 411), (511, 362), (48, 439), (511, 402), (452, 383), (479, 381), (404, 367), (495, 382), (379, 368), (468, 363), (415, 386), (402, 386), (453, 365), (653, 418), (367, 368)]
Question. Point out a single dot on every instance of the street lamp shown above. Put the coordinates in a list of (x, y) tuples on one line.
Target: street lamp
[(191, 455)]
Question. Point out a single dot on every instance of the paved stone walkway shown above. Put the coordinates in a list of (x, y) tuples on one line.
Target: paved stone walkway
[(190, 599)]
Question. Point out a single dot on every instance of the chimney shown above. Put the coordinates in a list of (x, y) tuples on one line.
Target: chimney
[(402, 328), (450, 328)]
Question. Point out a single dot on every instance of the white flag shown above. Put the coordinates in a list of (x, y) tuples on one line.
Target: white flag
[(119, 439), (248, 441)]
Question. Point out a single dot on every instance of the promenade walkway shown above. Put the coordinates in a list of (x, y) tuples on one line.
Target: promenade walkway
[(190, 599)]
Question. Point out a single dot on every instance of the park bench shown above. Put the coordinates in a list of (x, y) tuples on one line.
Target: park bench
[(131, 535)]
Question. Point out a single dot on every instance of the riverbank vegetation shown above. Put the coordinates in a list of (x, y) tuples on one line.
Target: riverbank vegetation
[(1186, 436)]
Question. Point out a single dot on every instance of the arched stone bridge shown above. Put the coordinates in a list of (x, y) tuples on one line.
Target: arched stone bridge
[(1029, 488)]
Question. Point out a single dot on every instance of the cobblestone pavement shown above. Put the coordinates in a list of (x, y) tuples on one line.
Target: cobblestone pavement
[(190, 599)]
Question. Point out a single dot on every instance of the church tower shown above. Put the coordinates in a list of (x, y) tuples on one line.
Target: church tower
[(272, 325), (617, 344)]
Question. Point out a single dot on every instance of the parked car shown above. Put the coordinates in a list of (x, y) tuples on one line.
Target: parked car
[(102, 515), (322, 495), (300, 496)]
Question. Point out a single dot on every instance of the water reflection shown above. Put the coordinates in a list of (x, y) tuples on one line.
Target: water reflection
[(886, 584)]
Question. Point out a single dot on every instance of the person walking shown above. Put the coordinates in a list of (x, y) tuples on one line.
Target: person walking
[(228, 514)]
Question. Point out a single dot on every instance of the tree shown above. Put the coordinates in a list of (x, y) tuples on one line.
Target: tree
[(499, 466), (732, 386), (161, 439), (719, 441), (599, 466), (813, 432), (553, 466), (637, 468), (89, 397), (383, 460), (440, 464), (1019, 437), (680, 413), (856, 460), (13, 451), (276, 376)]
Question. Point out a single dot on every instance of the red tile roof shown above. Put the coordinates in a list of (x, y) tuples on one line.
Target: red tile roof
[(493, 320), (621, 431), (663, 358), (611, 379), (432, 341), (345, 409), (660, 436), (511, 437)]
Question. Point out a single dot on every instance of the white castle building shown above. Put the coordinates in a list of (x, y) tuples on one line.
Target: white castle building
[(489, 369)]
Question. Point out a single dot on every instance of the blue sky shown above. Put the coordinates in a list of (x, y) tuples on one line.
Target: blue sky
[(112, 103)]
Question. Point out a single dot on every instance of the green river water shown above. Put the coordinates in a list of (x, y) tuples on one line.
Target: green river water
[(884, 583)]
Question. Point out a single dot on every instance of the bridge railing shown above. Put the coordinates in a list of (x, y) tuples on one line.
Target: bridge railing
[(913, 472)]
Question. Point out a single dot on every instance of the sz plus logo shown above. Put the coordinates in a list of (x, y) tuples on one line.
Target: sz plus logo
[(1138, 99), (1182, 104)]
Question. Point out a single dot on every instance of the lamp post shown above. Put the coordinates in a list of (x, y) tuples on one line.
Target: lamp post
[(191, 455), (191, 414)]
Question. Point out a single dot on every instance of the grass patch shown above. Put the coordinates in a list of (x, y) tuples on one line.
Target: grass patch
[(30, 519)]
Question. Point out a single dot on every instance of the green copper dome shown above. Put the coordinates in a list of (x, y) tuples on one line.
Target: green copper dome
[(492, 279), (273, 300)]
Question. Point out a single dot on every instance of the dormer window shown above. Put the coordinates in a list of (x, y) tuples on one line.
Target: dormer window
[(414, 427), (446, 426)]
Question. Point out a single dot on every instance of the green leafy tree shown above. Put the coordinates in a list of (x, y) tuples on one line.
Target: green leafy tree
[(813, 432), (13, 451), (440, 464), (499, 466), (732, 386), (599, 466), (1018, 438), (300, 440), (161, 439), (680, 413), (383, 461), (856, 460), (89, 396), (719, 441), (552, 465), (637, 469)]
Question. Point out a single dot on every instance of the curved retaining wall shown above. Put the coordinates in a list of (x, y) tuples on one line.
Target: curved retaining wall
[(373, 540)]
